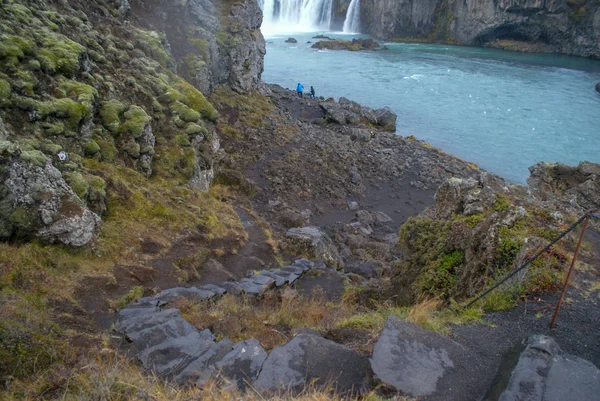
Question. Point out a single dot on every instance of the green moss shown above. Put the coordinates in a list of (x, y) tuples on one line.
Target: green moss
[(110, 113), (97, 183), (50, 147), (81, 92), (108, 150), (78, 184), (53, 129), (135, 121), (170, 96), (439, 276), (34, 65), (5, 89), (59, 54), (502, 203), (182, 140), (195, 129), (133, 295), (184, 112), (132, 148), (23, 217), (15, 47), (195, 100), (34, 157), (66, 108), (91, 148), (152, 45)]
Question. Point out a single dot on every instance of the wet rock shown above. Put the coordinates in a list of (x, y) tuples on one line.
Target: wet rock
[(541, 371), (291, 40), (316, 243), (36, 201), (598, 87), (412, 360), (310, 357)]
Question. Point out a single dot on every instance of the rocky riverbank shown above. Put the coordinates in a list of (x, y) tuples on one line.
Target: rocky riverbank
[(147, 170)]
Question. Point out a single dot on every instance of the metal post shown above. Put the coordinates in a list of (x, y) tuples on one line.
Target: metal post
[(562, 295)]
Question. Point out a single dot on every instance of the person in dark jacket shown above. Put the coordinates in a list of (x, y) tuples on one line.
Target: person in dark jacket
[(299, 89), (312, 92)]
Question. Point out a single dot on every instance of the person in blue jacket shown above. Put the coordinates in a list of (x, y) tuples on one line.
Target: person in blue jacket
[(299, 89)]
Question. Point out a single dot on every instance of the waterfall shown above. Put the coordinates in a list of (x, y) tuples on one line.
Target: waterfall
[(352, 22), (296, 15)]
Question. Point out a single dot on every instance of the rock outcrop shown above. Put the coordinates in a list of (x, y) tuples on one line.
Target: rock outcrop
[(237, 60), (315, 243), (351, 45), (541, 371), (578, 187), (36, 200), (347, 112), (570, 27)]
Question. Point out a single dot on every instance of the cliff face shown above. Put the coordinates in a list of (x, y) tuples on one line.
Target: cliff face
[(90, 86), (564, 26)]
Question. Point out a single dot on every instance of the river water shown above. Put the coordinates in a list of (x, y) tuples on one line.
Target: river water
[(503, 110)]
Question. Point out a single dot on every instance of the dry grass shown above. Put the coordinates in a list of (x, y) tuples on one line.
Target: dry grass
[(271, 320), (274, 320), (108, 376)]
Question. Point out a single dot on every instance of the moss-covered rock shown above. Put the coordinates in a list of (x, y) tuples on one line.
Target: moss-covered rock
[(111, 112), (135, 121), (91, 147), (78, 184), (34, 157)]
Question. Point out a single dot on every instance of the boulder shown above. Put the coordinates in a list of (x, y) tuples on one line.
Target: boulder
[(540, 371), (337, 114), (240, 366), (577, 186), (386, 118), (311, 358), (598, 87), (291, 40), (316, 243), (35, 200), (411, 360)]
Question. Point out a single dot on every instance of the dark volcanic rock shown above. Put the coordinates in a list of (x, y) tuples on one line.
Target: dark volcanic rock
[(353, 45), (578, 186), (542, 372), (291, 40), (309, 357), (242, 364), (386, 118), (598, 87), (316, 243), (412, 360)]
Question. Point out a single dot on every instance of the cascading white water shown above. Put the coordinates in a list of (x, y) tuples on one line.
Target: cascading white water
[(352, 22), (296, 15)]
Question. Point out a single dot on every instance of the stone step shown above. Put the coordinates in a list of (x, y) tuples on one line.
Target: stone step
[(240, 366), (193, 371)]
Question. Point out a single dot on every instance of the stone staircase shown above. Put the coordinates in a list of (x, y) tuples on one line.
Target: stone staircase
[(406, 359), (165, 343)]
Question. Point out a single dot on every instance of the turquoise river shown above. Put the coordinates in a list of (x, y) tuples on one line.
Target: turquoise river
[(503, 110)]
